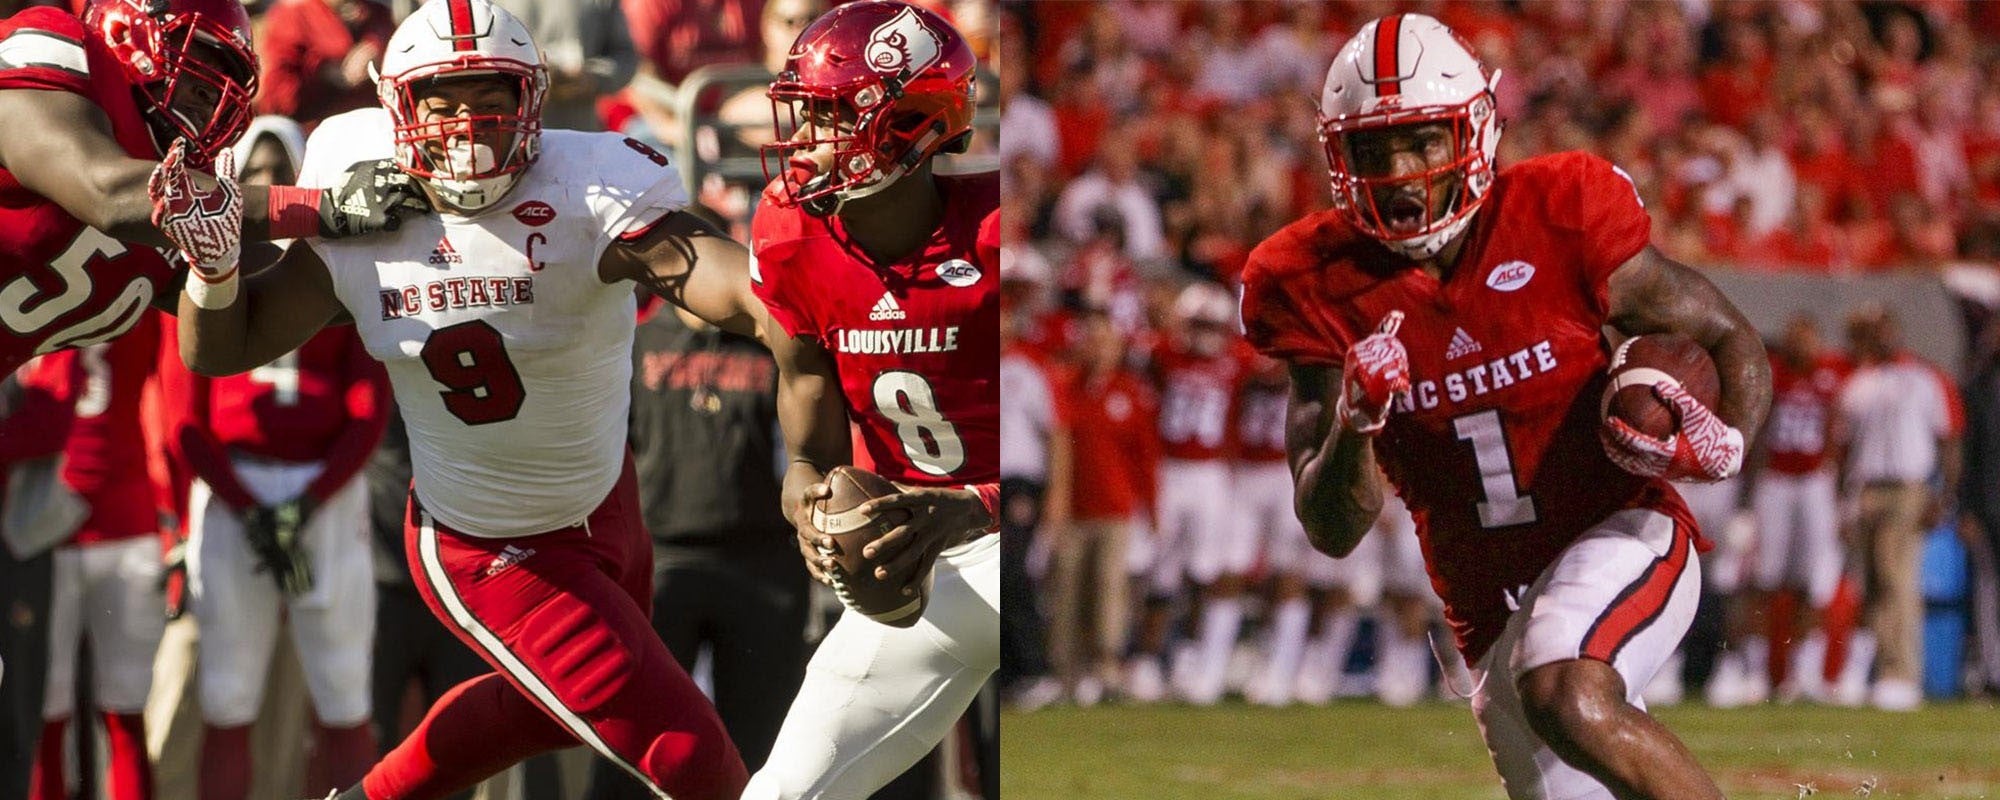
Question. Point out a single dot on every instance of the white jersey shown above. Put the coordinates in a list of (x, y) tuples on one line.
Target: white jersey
[(511, 361)]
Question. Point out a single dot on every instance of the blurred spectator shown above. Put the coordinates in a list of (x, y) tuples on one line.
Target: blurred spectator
[(675, 37), (35, 415), (1030, 125), (315, 56), (1979, 503), (588, 52), (1901, 420), (1116, 446), (1113, 185)]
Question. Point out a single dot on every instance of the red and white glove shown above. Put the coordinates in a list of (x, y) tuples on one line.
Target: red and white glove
[(1376, 373), (205, 225), (1705, 450)]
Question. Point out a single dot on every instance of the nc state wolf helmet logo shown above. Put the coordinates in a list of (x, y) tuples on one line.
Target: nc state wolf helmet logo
[(903, 43)]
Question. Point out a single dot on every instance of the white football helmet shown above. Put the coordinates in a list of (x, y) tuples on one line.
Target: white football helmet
[(1398, 70), (455, 38)]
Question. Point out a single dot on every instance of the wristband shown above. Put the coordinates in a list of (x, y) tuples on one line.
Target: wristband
[(294, 212), (212, 294)]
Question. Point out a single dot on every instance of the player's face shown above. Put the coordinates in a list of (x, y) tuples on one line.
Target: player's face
[(1207, 338), (1802, 341), (1412, 163), (822, 122), (470, 106)]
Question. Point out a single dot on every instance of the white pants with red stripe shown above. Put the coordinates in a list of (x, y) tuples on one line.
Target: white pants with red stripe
[(877, 698), (1624, 593), (109, 591), (333, 624)]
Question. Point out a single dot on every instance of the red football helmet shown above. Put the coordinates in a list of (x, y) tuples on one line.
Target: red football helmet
[(882, 85), (197, 46)]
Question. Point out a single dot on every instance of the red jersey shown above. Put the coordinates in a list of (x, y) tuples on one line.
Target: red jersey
[(105, 458), (1495, 450), (1115, 445), (1195, 392), (324, 402), (1803, 402), (1258, 430), (916, 342), (63, 284)]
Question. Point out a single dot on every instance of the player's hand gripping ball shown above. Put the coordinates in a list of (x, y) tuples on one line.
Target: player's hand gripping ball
[(1657, 418), (852, 574)]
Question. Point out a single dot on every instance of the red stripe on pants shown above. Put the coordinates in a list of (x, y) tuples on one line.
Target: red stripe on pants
[(1640, 603)]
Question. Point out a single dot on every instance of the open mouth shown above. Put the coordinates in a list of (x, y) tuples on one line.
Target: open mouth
[(1405, 213)]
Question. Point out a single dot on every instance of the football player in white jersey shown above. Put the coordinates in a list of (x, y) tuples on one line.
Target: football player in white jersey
[(505, 323)]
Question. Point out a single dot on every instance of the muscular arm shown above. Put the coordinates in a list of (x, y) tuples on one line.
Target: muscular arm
[(1339, 488), (686, 261), (1654, 294), (62, 148), (813, 418), (276, 310)]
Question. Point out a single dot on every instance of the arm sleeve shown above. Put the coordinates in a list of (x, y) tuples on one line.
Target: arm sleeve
[(38, 426), (367, 416), (203, 452), (635, 187)]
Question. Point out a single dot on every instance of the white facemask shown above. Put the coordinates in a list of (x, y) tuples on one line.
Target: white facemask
[(466, 158)]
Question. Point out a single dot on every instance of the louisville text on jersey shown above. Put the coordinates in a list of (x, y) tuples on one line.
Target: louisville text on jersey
[(905, 340), (1481, 378), (455, 293)]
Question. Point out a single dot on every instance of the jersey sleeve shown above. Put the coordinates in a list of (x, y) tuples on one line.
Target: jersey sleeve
[(989, 239), (1611, 219), (773, 239), (1279, 321), (42, 48), (636, 186)]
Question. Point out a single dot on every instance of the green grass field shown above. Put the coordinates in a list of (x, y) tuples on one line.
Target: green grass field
[(1365, 751)]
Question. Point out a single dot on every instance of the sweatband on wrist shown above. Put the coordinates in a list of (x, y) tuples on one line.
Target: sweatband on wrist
[(212, 294), (294, 212), (989, 498)]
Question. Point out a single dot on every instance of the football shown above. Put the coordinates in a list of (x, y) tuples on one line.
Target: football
[(1645, 360), (854, 574)]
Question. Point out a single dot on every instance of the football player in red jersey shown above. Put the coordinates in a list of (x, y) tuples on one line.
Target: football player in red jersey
[(92, 105), (1444, 321), (889, 275), (106, 585)]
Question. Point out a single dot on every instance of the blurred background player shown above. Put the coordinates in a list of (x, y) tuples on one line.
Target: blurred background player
[(886, 278), (728, 587), (39, 402), (279, 519), (107, 576), (1036, 457), (1195, 544), (1797, 505)]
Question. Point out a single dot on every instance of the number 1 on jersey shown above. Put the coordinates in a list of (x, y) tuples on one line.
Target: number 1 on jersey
[(1504, 504), (931, 442)]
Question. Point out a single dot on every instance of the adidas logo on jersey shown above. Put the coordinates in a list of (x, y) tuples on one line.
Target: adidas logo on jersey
[(886, 309), (444, 253), (1462, 344), (509, 556)]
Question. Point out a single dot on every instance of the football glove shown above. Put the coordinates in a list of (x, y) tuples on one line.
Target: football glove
[(1704, 449), (205, 225), (372, 196), (1376, 372)]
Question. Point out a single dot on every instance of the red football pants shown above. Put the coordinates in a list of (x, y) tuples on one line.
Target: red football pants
[(563, 617)]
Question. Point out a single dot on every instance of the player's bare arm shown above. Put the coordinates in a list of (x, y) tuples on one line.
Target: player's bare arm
[(814, 422), (1339, 488), (90, 175), (689, 263), (1654, 294), (277, 309)]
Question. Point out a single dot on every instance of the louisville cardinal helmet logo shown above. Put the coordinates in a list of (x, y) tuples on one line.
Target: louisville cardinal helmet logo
[(903, 43)]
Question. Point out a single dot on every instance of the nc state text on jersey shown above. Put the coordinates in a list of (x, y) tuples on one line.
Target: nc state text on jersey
[(1481, 378), (455, 293), (905, 340)]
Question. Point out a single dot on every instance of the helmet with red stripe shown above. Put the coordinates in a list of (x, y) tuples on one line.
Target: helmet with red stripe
[(1405, 86), (191, 61), (469, 159), (876, 85)]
